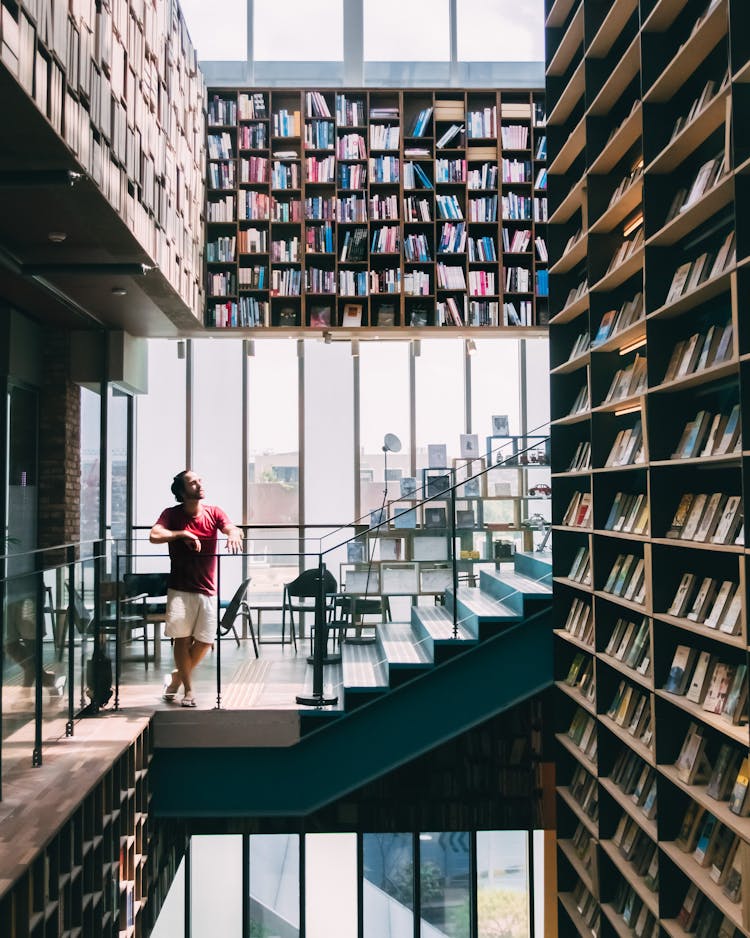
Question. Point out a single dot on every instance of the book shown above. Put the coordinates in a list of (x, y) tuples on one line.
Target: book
[(699, 681), (726, 767), (739, 803), (723, 854), (691, 762), (705, 845), (718, 688), (320, 316), (680, 516), (680, 670), (687, 836), (352, 315)]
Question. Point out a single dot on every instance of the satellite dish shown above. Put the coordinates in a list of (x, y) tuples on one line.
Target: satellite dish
[(391, 443)]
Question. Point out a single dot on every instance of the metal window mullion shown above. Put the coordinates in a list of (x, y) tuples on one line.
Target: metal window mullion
[(301, 446), (467, 387), (413, 410), (189, 414), (453, 33), (250, 25), (356, 371)]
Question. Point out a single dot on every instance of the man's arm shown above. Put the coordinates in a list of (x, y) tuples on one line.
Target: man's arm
[(234, 538), (161, 535)]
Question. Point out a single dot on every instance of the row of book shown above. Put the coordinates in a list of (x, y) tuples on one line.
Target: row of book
[(579, 622), (247, 313), (580, 568), (637, 847), (584, 845), (637, 779), (221, 175), (630, 708), (221, 250), (582, 733), (700, 351), (578, 512), (714, 518), (717, 604), (286, 176), (524, 208), (584, 789), (581, 459), (629, 642), (710, 434), (719, 687), (691, 274), (581, 677), (628, 382), (629, 513), (449, 171), (580, 346), (708, 175), (575, 293), (581, 402), (252, 137), (221, 284), (254, 278), (587, 907), (626, 250), (255, 169), (634, 912), (724, 780), (628, 180), (699, 104), (616, 321), (627, 579), (713, 846)]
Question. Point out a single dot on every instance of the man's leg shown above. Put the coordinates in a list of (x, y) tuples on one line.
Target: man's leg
[(197, 653), (183, 664)]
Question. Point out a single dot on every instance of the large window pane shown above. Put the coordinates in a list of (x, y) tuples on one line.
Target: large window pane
[(330, 883), (216, 886), (160, 439), (388, 888), (440, 397), (217, 422), (218, 29), (502, 884), (117, 464), (274, 884), (444, 870), (273, 434), (500, 31), (171, 920), (90, 444), (329, 433), (299, 31), (383, 408), (417, 31)]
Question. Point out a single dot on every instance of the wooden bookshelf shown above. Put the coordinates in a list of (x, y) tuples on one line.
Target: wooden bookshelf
[(687, 57), (393, 222)]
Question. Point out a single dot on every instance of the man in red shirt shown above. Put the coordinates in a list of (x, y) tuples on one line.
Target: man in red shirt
[(190, 529)]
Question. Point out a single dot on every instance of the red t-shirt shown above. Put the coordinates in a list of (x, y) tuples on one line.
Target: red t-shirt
[(194, 571)]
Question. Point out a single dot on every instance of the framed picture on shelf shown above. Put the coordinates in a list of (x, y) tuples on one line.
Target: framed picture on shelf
[(434, 517), (469, 445), (378, 516), (403, 516), (408, 487), (352, 315), (465, 518), (470, 488), (386, 315), (288, 317), (500, 426), (320, 316), (437, 455), (436, 485), (356, 552), (430, 548)]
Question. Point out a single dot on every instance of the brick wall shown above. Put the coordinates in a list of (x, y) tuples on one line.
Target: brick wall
[(59, 444)]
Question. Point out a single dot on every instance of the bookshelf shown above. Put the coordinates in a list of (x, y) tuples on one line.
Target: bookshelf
[(647, 250), (107, 868), (376, 209)]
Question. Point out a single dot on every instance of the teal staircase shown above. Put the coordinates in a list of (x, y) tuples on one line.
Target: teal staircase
[(420, 684)]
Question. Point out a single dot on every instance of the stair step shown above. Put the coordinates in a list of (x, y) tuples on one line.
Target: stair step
[(436, 623), (534, 564), (402, 646), (363, 667), (503, 585), (476, 602)]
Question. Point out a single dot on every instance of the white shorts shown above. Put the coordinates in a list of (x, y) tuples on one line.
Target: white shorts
[(191, 614)]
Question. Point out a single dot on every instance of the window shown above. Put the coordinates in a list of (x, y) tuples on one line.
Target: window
[(440, 397), (388, 886), (444, 883), (330, 883), (218, 29), (274, 884), (216, 886), (417, 31), (500, 31), (90, 447), (502, 883), (298, 31)]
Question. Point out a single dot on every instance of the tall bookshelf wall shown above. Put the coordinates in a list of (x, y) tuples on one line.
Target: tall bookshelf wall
[(313, 186), (619, 76)]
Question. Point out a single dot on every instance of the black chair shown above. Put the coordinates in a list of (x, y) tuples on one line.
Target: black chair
[(232, 609), (352, 609), (145, 595), (305, 587)]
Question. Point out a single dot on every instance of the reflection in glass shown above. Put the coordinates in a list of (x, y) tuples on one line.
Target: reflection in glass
[(117, 465), (440, 398), (388, 889), (273, 434), (216, 886), (444, 874), (502, 884), (422, 34), (306, 32), (330, 883), (274, 885)]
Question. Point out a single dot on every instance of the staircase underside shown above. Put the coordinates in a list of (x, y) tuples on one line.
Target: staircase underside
[(481, 679)]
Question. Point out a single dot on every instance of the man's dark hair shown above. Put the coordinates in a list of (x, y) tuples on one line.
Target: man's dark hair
[(178, 485)]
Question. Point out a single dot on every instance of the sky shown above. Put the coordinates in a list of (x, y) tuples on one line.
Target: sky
[(488, 30)]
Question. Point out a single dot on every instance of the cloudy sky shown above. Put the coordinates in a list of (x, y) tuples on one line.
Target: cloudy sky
[(488, 30)]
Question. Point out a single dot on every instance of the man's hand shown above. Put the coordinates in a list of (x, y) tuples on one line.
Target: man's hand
[(193, 542), (234, 541)]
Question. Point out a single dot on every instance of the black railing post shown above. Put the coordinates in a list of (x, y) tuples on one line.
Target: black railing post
[(454, 559), (317, 698), (118, 626), (71, 558), (218, 630), (36, 758), (3, 633)]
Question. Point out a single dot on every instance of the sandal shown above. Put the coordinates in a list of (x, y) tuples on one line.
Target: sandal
[(168, 695), (188, 701)]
